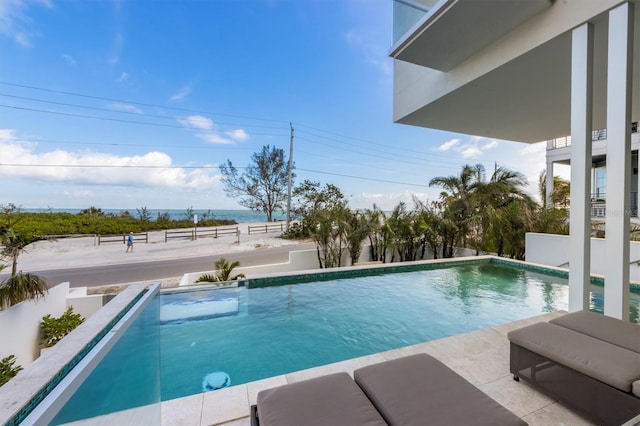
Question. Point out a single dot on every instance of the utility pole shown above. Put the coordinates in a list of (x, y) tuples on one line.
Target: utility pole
[(290, 177)]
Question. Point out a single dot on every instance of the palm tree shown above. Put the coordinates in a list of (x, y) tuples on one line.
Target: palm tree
[(503, 188), (378, 233), (330, 235), (19, 286), (456, 205), (560, 193), (223, 272), (355, 233)]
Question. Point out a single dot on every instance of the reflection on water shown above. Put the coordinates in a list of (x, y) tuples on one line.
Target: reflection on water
[(596, 302)]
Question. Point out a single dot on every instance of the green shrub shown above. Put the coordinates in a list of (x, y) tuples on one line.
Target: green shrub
[(8, 369), (296, 230), (54, 329), (223, 272), (207, 278)]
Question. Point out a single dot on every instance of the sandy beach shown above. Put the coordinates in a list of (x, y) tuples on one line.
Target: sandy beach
[(85, 251)]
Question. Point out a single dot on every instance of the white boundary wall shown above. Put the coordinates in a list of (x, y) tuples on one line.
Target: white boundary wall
[(20, 324), (302, 260), (553, 250)]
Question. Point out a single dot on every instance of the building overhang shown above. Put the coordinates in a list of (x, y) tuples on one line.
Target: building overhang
[(510, 92), (452, 30)]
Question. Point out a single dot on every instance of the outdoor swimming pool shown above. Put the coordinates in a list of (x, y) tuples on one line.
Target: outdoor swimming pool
[(251, 334)]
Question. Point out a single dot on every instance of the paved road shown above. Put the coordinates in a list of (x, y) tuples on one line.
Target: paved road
[(146, 271)]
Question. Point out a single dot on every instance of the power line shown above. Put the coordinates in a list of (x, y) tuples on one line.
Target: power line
[(119, 120), (393, 157), (367, 150), (138, 145), (368, 142), (140, 114), (24, 86), (363, 178)]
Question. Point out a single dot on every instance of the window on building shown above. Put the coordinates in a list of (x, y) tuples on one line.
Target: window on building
[(601, 183)]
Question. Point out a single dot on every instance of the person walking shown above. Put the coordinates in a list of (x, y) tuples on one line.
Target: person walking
[(129, 242)]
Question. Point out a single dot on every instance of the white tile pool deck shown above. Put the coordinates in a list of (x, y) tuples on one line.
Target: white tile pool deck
[(481, 357)]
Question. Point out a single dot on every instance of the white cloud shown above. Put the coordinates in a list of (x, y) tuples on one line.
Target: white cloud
[(126, 107), (491, 145), (70, 59), (374, 54), (182, 93), (387, 201), (151, 170), (14, 21), (123, 77), (208, 131), (7, 134), (534, 148), (214, 138), (238, 135), (449, 145), (116, 48), (474, 147), (470, 151), (197, 122), (23, 39)]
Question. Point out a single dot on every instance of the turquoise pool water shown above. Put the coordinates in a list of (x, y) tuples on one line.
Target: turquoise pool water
[(251, 334)]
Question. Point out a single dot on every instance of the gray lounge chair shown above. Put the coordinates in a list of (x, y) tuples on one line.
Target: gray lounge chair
[(588, 361), (414, 390)]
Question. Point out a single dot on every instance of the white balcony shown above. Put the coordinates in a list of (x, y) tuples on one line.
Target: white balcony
[(444, 35)]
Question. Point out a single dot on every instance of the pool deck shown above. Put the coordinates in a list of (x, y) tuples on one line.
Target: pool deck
[(481, 357)]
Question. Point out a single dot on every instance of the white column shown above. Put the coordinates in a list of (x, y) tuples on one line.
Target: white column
[(549, 183), (581, 118), (616, 288)]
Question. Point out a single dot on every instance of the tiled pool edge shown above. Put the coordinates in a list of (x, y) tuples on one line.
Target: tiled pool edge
[(23, 393), (296, 277)]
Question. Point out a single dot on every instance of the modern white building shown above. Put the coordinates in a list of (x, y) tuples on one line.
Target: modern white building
[(559, 152), (532, 71)]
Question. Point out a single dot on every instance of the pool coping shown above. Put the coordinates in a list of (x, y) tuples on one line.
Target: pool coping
[(295, 277)]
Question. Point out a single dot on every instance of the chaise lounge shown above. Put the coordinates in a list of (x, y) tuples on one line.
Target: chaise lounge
[(588, 361), (413, 390)]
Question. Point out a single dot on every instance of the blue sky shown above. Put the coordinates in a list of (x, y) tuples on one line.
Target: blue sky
[(124, 104)]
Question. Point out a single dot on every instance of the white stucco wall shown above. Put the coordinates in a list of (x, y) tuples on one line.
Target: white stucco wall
[(20, 324), (83, 304), (553, 250), (304, 260)]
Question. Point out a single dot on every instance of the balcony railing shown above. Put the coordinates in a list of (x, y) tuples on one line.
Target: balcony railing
[(596, 135), (406, 13), (599, 205)]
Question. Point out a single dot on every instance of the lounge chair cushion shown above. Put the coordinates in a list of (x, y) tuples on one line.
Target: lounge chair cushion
[(334, 399), (610, 364), (419, 389), (635, 388), (612, 330)]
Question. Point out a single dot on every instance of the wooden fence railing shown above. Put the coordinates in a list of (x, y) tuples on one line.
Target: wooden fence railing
[(263, 229), (195, 233), (117, 238)]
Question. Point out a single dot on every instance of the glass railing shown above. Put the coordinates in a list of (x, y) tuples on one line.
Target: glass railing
[(406, 13)]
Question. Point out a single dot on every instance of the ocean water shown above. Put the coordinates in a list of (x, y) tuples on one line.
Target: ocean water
[(239, 215)]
